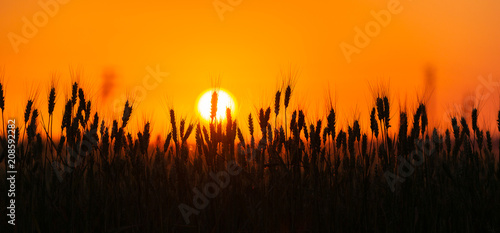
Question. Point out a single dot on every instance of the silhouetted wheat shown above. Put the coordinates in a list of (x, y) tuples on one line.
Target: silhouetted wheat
[(320, 177)]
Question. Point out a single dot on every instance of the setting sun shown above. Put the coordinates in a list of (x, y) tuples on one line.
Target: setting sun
[(224, 101), (250, 116)]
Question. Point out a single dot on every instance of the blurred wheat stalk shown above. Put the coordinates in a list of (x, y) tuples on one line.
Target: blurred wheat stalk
[(301, 175)]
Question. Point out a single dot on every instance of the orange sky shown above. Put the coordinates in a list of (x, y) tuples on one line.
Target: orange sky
[(248, 47)]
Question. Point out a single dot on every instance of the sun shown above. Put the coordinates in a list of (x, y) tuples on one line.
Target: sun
[(224, 101)]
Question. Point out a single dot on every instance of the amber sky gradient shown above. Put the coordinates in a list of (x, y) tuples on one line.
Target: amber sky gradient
[(249, 48)]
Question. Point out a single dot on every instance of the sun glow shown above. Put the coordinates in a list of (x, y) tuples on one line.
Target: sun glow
[(224, 101)]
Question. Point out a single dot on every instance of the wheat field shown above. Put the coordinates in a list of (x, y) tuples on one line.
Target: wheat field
[(85, 174)]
